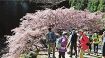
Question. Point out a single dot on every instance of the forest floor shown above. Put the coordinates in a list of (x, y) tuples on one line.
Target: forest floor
[(44, 54)]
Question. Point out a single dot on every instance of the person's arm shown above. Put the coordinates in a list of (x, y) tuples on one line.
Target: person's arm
[(69, 40), (102, 38), (92, 37), (68, 43), (47, 38)]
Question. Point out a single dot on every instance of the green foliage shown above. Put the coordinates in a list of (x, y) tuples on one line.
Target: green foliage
[(101, 6), (31, 54), (72, 3), (91, 5), (25, 56), (77, 3)]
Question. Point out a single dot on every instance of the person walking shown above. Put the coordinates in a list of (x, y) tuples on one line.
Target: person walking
[(95, 42), (69, 40), (51, 40), (84, 40), (89, 35), (103, 39), (63, 42), (73, 43)]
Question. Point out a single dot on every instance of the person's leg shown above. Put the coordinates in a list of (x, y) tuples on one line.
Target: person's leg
[(90, 48), (94, 48), (81, 53), (63, 54), (97, 48), (75, 49), (89, 51), (79, 47), (59, 54), (53, 50), (71, 50), (103, 51), (49, 50)]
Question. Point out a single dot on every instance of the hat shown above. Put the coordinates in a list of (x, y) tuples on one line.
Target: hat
[(81, 30), (64, 33)]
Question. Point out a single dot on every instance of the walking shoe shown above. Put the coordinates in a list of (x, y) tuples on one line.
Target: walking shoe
[(54, 57), (49, 57), (70, 56), (88, 54), (68, 52)]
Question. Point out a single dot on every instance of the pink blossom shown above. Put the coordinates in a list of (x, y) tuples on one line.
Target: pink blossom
[(34, 26)]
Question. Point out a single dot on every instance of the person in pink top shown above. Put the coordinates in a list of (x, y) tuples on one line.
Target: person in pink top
[(63, 42)]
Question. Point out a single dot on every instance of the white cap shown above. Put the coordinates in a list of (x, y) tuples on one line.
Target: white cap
[(104, 32), (64, 32)]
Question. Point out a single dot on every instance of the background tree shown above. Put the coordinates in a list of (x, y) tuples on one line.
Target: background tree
[(93, 5), (79, 4), (33, 27), (72, 3), (101, 6)]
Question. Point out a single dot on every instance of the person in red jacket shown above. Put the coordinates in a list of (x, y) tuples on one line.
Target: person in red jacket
[(84, 42)]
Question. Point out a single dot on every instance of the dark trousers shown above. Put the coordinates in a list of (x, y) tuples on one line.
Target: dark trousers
[(90, 47), (61, 54), (103, 52), (95, 48), (73, 46)]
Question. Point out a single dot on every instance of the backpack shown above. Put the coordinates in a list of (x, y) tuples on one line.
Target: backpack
[(58, 44), (63, 42)]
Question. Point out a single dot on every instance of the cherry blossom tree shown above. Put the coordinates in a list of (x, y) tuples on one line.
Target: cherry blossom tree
[(33, 27)]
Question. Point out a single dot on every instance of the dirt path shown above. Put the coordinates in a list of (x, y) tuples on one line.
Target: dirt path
[(44, 54)]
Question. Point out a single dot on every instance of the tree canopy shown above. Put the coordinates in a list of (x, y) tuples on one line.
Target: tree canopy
[(33, 26), (91, 5)]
